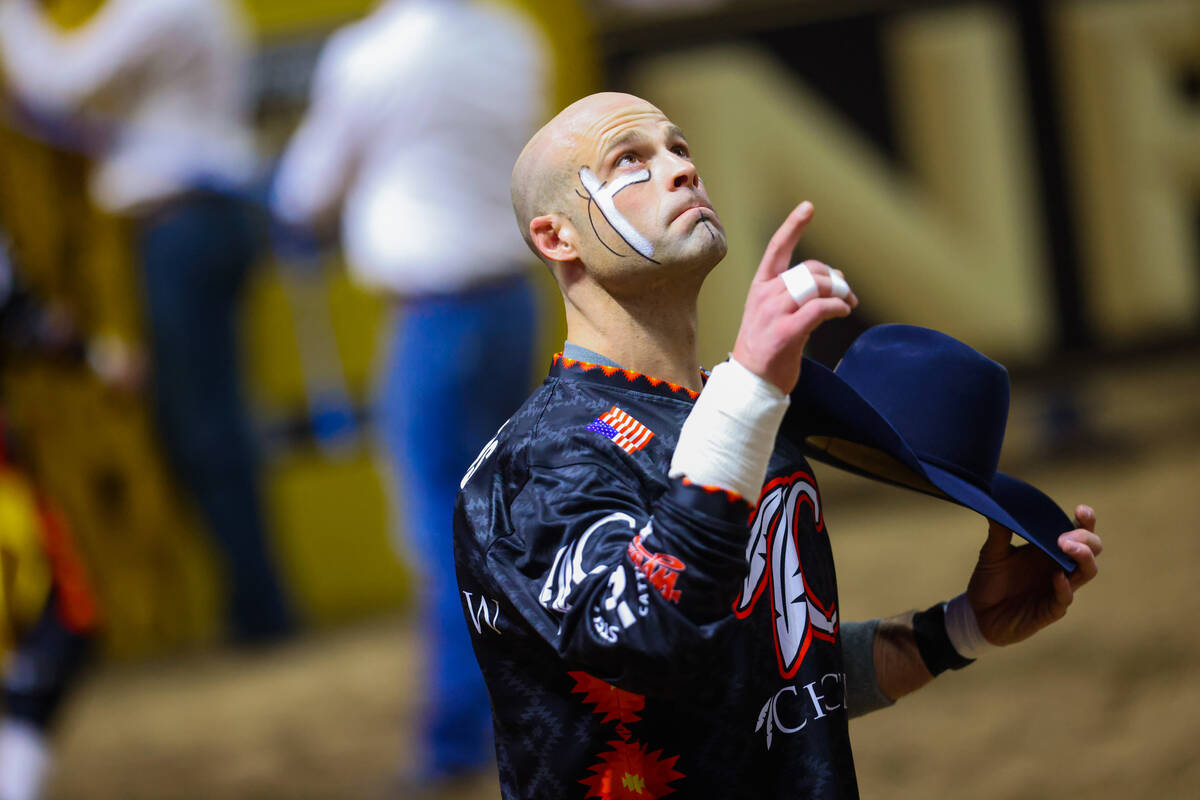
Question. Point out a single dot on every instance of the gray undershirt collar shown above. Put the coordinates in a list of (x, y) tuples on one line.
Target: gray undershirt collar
[(577, 353)]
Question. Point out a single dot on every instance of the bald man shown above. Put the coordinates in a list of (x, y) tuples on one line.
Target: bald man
[(600, 537)]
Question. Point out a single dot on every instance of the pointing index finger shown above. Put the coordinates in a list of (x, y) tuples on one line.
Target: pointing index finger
[(778, 254)]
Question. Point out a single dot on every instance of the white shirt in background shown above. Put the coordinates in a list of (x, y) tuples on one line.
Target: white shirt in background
[(165, 79), (418, 113)]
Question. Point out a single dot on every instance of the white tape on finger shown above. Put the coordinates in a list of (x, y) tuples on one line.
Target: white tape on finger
[(840, 287), (800, 283)]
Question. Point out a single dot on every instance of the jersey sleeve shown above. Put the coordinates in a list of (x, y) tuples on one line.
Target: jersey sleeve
[(631, 589)]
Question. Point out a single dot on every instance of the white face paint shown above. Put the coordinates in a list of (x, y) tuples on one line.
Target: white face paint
[(603, 195)]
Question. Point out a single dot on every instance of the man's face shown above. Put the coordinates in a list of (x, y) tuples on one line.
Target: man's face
[(640, 199)]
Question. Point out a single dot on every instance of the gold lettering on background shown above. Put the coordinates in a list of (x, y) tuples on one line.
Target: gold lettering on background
[(1134, 147), (952, 241)]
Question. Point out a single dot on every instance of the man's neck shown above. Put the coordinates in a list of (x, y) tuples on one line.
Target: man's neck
[(654, 338)]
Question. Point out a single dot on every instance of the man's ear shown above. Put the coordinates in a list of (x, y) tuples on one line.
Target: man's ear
[(554, 237)]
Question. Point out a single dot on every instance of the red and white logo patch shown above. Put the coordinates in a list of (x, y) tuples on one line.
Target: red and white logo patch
[(773, 555)]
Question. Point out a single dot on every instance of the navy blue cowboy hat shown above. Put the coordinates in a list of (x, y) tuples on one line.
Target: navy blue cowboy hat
[(914, 407)]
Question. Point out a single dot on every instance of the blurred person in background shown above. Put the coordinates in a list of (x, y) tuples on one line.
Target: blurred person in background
[(48, 610), (417, 113), (48, 624), (159, 85)]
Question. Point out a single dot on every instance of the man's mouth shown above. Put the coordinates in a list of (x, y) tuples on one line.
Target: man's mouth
[(704, 210)]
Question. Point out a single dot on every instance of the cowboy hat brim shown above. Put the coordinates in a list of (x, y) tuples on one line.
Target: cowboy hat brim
[(836, 425)]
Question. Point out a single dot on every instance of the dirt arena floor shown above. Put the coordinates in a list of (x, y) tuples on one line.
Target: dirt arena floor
[(1104, 705)]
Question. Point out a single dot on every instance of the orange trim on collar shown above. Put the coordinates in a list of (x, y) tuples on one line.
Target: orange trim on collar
[(630, 375)]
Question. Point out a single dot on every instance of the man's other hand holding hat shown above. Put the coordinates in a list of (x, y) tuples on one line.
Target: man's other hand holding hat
[(1017, 591)]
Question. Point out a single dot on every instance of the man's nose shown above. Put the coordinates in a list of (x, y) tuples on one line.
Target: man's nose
[(683, 173)]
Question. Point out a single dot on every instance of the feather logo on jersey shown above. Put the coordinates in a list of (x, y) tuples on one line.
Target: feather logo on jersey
[(625, 431), (774, 559)]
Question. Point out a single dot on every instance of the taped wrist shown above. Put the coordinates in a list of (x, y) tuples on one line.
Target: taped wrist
[(728, 438), (962, 627), (933, 641)]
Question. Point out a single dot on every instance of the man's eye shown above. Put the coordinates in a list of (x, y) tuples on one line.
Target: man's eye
[(681, 151), (625, 159)]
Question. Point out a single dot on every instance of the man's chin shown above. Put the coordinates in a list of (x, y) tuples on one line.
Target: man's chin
[(696, 266), (708, 250)]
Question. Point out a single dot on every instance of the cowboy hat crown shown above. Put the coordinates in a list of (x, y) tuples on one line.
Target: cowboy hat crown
[(920, 409)]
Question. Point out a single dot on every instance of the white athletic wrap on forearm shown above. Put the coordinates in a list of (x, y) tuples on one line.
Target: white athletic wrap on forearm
[(963, 629), (728, 438)]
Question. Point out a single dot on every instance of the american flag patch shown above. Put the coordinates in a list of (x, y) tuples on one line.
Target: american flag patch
[(628, 434)]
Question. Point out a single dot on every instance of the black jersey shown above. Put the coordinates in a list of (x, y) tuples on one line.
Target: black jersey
[(643, 636)]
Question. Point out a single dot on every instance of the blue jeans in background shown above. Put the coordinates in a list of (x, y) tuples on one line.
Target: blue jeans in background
[(458, 367), (195, 255)]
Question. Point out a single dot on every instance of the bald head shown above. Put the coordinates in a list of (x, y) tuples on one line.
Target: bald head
[(545, 174), (607, 192)]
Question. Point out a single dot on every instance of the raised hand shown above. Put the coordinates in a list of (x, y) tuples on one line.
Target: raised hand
[(775, 327)]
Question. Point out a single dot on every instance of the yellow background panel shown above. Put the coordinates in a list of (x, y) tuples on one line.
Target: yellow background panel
[(334, 544), (283, 17)]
